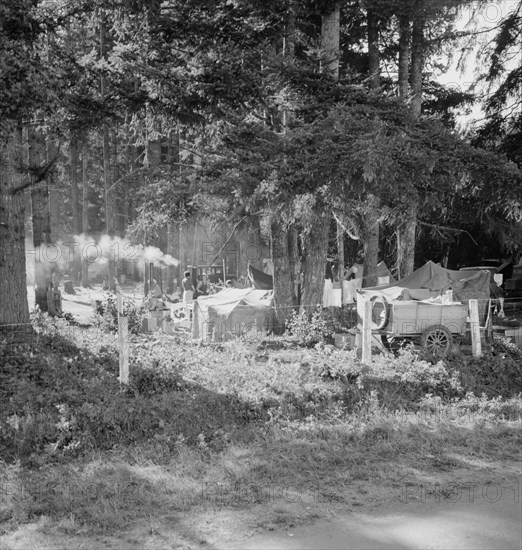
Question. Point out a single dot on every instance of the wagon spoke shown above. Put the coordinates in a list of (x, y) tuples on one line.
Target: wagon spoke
[(436, 340)]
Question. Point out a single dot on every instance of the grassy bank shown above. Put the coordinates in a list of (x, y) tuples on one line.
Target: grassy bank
[(241, 435)]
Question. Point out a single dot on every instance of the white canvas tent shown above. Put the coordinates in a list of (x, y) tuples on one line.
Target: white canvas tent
[(231, 312)]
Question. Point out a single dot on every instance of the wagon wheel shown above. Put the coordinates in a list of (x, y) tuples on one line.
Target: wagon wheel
[(380, 312), (436, 341)]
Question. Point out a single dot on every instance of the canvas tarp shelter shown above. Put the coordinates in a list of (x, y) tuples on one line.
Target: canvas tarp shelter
[(231, 312), (260, 279), (432, 280)]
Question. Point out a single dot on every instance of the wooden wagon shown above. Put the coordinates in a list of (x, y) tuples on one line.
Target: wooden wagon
[(431, 324)]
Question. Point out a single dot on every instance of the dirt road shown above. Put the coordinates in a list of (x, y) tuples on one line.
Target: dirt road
[(481, 524)]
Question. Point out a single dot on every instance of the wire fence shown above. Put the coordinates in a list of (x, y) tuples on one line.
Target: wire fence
[(500, 319)]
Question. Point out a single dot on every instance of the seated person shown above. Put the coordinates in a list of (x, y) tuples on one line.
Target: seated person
[(202, 287)]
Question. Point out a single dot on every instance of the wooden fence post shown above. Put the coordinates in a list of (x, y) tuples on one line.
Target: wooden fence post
[(476, 344), (123, 341), (364, 310), (367, 334)]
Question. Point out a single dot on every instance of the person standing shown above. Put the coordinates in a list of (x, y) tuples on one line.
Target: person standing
[(188, 287)]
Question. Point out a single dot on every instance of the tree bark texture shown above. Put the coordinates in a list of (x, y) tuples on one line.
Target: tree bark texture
[(107, 172), (56, 212), (340, 250), (171, 270), (85, 214), (44, 263), (315, 263), (116, 203), (109, 219), (316, 248), (373, 50), (407, 232), (330, 43), (407, 236), (154, 157), (14, 308), (289, 37), (370, 222), (130, 156), (76, 221), (295, 263), (417, 62), (283, 288), (371, 248), (404, 56)]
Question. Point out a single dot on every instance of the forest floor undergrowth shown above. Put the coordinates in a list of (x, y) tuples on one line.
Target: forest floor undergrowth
[(217, 443)]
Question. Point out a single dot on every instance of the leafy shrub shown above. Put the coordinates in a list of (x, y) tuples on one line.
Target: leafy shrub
[(154, 379), (407, 367), (106, 313), (307, 330), (497, 372), (396, 382), (330, 362), (471, 407)]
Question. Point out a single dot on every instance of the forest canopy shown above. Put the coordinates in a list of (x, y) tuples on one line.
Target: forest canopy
[(312, 120)]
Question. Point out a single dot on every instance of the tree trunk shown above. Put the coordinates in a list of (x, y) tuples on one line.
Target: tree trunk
[(283, 288), (330, 42), (417, 62), (107, 172), (289, 37), (404, 56), (370, 225), (154, 158), (45, 259), (340, 253), (289, 50), (406, 244), (295, 263), (118, 224), (14, 308), (109, 220), (315, 263), (74, 187), (171, 270), (85, 215), (128, 183), (371, 251), (373, 50), (55, 200), (407, 233), (316, 249)]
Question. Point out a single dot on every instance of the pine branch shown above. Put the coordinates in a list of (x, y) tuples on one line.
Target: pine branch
[(227, 241), (446, 228), (37, 173)]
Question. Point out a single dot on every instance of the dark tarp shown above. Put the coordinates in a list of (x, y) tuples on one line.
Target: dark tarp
[(259, 279), (432, 280), (383, 271)]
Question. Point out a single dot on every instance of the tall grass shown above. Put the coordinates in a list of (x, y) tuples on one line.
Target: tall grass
[(287, 433)]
